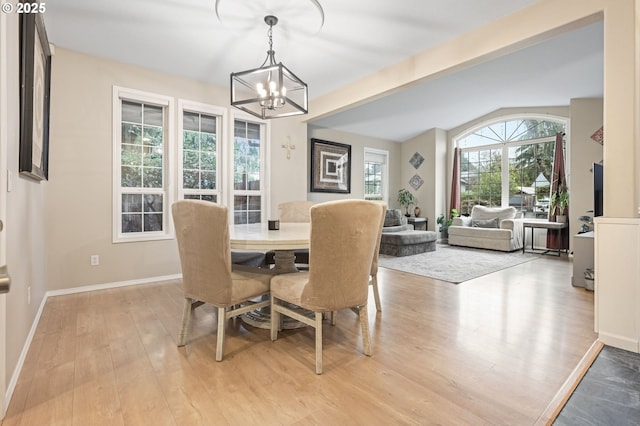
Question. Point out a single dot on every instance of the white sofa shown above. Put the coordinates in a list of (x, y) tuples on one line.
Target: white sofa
[(494, 228)]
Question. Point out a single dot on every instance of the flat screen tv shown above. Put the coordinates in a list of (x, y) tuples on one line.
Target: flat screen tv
[(597, 189)]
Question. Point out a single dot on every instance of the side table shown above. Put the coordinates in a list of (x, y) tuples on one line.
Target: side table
[(419, 223), (541, 224)]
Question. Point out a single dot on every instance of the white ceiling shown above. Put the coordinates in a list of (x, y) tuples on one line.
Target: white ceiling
[(186, 38)]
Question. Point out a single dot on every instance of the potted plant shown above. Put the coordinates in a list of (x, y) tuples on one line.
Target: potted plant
[(405, 199), (559, 203), (445, 223)]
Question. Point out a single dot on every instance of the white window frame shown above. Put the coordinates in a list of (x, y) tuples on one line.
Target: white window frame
[(504, 146), (385, 171), (167, 103), (265, 161), (222, 141)]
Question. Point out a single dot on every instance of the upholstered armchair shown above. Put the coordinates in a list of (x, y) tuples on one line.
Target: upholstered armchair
[(202, 232), (344, 236), (495, 228)]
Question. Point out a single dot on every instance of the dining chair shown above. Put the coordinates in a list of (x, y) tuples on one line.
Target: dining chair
[(374, 263), (295, 211), (208, 276), (343, 239), (373, 281)]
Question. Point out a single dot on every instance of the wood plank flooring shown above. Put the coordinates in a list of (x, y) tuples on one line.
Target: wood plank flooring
[(494, 350)]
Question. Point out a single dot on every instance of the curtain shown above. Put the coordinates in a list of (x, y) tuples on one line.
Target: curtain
[(558, 239), (455, 182)]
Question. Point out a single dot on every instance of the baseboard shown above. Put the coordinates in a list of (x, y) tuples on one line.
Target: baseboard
[(106, 286), (621, 342), (562, 396), (23, 355), (36, 321)]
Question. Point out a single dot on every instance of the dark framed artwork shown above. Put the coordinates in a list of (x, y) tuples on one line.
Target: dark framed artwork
[(330, 167), (35, 78)]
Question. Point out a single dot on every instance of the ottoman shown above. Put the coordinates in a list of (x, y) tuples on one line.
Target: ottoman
[(406, 243)]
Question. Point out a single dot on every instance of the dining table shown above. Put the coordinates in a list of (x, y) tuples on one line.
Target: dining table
[(283, 241), (286, 239)]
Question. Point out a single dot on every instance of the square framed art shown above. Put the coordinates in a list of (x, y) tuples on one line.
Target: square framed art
[(330, 167), (35, 76)]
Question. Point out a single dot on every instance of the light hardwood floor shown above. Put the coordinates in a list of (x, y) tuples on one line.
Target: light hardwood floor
[(494, 350)]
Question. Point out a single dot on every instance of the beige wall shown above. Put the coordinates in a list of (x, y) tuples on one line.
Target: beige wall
[(25, 225), (288, 176), (432, 145), (586, 118), (358, 144)]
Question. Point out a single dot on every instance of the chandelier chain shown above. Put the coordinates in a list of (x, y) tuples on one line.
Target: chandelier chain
[(271, 58)]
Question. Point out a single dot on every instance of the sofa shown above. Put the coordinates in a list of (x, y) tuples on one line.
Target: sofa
[(495, 228), (400, 239)]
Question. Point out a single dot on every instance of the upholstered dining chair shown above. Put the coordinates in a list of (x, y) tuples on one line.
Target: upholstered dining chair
[(374, 263), (202, 232), (373, 281), (343, 239), (295, 211)]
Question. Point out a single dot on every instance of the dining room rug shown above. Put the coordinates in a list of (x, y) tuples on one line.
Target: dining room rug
[(455, 264)]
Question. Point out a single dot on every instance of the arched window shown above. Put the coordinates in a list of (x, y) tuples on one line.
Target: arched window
[(509, 162)]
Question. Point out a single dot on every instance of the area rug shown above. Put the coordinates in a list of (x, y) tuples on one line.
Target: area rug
[(455, 264)]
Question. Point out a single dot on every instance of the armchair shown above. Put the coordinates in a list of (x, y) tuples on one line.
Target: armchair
[(495, 228)]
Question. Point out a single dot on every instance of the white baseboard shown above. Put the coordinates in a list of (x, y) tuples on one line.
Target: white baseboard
[(34, 326), (112, 285), (620, 342), (23, 355)]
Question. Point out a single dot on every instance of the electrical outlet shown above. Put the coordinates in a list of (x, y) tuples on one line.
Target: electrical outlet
[(28, 295), (95, 260)]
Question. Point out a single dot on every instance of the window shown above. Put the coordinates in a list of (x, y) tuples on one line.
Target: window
[(199, 153), (375, 174), (509, 162), (249, 165), (209, 163), (141, 165)]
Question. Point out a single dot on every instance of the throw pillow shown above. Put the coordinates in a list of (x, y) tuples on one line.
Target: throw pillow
[(487, 223), (393, 217)]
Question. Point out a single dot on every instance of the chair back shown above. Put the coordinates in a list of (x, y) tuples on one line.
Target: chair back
[(343, 240), (376, 252), (295, 211), (202, 232)]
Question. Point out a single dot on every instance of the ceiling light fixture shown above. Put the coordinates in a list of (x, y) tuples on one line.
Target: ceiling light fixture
[(271, 91)]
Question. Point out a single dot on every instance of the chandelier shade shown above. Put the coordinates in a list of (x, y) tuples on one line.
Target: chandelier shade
[(271, 91)]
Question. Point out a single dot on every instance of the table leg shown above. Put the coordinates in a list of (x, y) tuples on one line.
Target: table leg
[(285, 261)]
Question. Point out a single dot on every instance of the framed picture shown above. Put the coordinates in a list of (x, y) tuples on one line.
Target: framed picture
[(35, 77), (330, 167)]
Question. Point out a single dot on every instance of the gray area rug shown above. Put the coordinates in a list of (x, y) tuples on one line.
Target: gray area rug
[(456, 264)]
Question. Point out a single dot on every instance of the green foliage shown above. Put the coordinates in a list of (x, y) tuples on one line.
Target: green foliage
[(445, 222), (559, 200), (406, 198)]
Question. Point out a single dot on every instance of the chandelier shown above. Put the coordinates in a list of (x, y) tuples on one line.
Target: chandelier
[(271, 91)]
